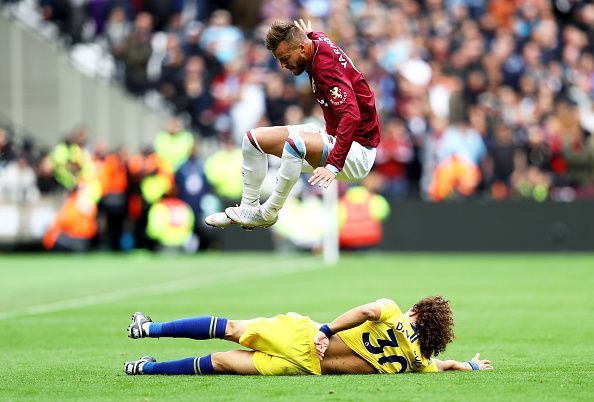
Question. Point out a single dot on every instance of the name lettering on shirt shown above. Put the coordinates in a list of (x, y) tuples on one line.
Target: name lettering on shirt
[(342, 57)]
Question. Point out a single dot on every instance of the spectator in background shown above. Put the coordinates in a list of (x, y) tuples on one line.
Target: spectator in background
[(171, 82), (500, 162), (175, 144), (163, 12), (221, 38), (46, 182), (18, 182), (299, 229), (199, 100), (361, 212), (460, 153), (193, 188), (100, 12), (6, 151), (193, 47), (461, 140), (150, 179), (71, 162), (136, 54), (117, 31), (509, 62), (226, 90), (170, 224), (275, 100), (75, 225), (223, 170), (580, 167), (113, 176), (249, 107), (59, 12), (393, 155)]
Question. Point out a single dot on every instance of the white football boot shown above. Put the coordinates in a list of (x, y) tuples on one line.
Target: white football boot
[(248, 217), (218, 220), (135, 367), (135, 330)]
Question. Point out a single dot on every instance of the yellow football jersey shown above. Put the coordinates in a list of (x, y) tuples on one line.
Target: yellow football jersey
[(389, 344)]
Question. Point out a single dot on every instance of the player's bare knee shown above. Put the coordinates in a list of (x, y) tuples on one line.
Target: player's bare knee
[(234, 329), (219, 363)]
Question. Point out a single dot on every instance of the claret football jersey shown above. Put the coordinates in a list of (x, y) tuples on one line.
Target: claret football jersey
[(345, 98)]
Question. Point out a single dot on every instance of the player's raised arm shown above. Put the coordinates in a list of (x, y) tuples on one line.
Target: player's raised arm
[(348, 320), (473, 364)]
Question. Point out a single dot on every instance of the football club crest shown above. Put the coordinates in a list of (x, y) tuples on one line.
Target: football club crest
[(337, 96)]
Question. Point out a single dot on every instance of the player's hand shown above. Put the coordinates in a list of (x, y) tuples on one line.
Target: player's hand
[(483, 364), (321, 341), (304, 27), (322, 177)]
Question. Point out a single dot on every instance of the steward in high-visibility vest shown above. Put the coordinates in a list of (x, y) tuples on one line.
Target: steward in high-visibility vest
[(150, 179), (113, 175), (70, 164), (454, 176), (174, 144), (361, 213), (223, 171), (76, 223), (170, 222)]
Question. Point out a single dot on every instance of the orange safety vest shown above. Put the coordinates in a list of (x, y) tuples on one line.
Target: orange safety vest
[(113, 175), (77, 218), (454, 174), (360, 228)]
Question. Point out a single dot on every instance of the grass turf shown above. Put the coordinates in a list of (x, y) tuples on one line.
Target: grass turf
[(63, 320)]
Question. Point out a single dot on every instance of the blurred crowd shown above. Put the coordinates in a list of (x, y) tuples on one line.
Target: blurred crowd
[(477, 98)]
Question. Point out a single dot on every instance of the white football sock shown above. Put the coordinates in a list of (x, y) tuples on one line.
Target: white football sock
[(286, 177), (253, 170), (145, 328)]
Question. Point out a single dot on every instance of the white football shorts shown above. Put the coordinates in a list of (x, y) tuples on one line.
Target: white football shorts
[(359, 160)]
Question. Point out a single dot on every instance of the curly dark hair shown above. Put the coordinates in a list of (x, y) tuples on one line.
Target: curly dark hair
[(434, 324), (282, 31)]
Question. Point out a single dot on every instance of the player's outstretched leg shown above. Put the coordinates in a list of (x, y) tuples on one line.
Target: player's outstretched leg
[(231, 362), (292, 157), (188, 366), (203, 327), (254, 166)]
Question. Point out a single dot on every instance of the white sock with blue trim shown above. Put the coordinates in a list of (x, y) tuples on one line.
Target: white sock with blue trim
[(254, 167), (286, 177)]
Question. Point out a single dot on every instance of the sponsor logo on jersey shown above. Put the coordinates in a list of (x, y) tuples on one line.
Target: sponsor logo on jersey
[(322, 102)]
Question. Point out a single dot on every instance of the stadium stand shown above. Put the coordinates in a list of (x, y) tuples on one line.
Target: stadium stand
[(479, 99)]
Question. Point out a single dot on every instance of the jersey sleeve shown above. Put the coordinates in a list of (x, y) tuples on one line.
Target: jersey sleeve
[(387, 309), (431, 367), (341, 97)]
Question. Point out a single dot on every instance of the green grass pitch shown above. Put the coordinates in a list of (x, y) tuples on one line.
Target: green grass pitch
[(63, 321)]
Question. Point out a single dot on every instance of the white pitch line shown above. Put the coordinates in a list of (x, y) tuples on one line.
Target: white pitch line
[(216, 278)]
